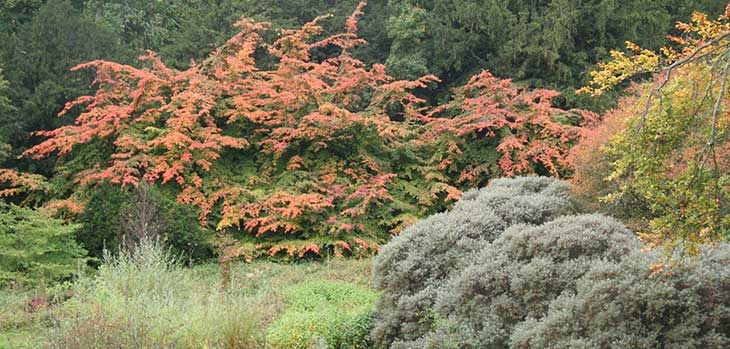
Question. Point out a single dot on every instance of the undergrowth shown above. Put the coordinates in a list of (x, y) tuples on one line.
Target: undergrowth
[(149, 299)]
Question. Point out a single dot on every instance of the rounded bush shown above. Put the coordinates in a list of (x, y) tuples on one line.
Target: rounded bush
[(412, 268), (521, 272), (512, 267), (623, 304)]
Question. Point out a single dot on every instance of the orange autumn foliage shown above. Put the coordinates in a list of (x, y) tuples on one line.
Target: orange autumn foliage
[(308, 155)]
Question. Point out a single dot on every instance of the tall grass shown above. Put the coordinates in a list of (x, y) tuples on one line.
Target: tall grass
[(148, 299)]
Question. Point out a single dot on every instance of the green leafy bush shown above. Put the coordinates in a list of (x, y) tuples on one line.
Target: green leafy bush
[(36, 249), (322, 313), (412, 268), (103, 223)]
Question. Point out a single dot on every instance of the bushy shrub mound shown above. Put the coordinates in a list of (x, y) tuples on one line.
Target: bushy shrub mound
[(626, 305), (326, 314), (517, 276), (512, 266), (36, 249), (412, 268)]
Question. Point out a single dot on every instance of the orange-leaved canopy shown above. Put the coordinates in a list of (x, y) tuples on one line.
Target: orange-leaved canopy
[(311, 152)]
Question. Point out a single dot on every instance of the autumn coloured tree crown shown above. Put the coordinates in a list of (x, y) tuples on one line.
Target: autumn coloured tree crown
[(664, 151), (296, 146)]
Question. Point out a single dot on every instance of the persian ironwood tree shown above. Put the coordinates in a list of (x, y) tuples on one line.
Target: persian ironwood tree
[(311, 154)]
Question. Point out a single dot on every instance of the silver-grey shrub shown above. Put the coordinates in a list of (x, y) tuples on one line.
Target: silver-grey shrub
[(517, 277), (625, 305), (413, 268), (512, 266)]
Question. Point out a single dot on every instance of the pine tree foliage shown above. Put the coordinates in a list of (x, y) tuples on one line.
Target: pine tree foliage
[(5, 104), (537, 43)]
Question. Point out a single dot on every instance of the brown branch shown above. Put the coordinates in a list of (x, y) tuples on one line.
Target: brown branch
[(668, 74), (708, 148)]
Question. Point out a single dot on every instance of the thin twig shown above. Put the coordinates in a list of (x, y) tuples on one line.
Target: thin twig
[(656, 91)]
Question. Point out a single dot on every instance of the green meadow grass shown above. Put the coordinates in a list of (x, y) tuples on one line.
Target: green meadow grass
[(151, 300)]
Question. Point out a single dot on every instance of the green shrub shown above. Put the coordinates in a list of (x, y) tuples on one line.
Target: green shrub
[(559, 281), (323, 313), (101, 227), (412, 268), (521, 273), (36, 249)]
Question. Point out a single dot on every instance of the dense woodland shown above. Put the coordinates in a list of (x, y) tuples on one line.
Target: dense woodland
[(233, 146)]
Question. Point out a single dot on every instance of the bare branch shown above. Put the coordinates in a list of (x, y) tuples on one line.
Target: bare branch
[(141, 221)]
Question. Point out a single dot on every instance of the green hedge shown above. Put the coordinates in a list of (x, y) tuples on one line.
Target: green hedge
[(36, 249)]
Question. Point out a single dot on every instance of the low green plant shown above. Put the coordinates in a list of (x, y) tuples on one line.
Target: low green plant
[(324, 313), (36, 249)]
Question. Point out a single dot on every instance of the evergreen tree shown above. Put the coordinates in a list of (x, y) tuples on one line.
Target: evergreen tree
[(538, 43), (36, 249), (37, 62)]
